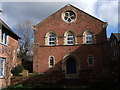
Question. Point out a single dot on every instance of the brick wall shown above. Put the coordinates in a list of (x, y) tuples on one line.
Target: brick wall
[(55, 23), (8, 51)]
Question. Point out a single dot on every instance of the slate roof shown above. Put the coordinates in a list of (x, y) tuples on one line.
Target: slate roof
[(8, 28), (117, 35)]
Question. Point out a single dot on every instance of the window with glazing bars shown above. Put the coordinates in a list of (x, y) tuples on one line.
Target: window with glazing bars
[(52, 39), (70, 39)]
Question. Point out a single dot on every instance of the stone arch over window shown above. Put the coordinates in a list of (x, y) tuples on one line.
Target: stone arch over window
[(51, 61), (51, 38), (69, 38), (88, 37)]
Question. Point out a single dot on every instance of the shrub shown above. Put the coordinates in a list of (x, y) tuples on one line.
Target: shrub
[(16, 70)]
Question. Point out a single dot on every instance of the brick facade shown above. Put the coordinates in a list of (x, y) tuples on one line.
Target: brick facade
[(8, 52), (114, 47), (79, 51)]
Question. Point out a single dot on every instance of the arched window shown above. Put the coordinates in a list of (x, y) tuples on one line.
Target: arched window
[(52, 39), (88, 37), (69, 38), (51, 61)]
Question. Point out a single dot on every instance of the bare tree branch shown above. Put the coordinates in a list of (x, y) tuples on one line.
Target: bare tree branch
[(26, 33), (10, 53)]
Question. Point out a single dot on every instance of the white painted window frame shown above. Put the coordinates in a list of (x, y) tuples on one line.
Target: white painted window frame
[(51, 66), (3, 66), (52, 41), (3, 35), (88, 38), (71, 37)]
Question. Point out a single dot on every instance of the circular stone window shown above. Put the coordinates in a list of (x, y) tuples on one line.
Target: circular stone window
[(69, 16)]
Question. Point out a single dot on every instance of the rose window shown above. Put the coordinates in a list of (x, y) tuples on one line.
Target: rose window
[(69, 16)]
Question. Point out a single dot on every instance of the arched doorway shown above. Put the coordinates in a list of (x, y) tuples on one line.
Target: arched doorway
[(70, 66)]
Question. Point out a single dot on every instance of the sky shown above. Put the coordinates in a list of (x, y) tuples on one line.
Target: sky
[(17, 11)]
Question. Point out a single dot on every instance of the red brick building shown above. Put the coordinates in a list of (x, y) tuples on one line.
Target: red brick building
[(70, 42), (114, 47), (113, 55), (8, 53)]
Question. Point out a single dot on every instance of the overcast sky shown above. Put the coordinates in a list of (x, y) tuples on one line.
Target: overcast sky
[(15, 12)]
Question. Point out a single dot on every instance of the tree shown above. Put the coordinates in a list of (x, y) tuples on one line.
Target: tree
[(26, 43), (9, 52)]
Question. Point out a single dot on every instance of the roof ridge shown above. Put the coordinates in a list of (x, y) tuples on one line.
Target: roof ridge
[(85, 12), (6, 26), (73, 7), (117, 35)]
